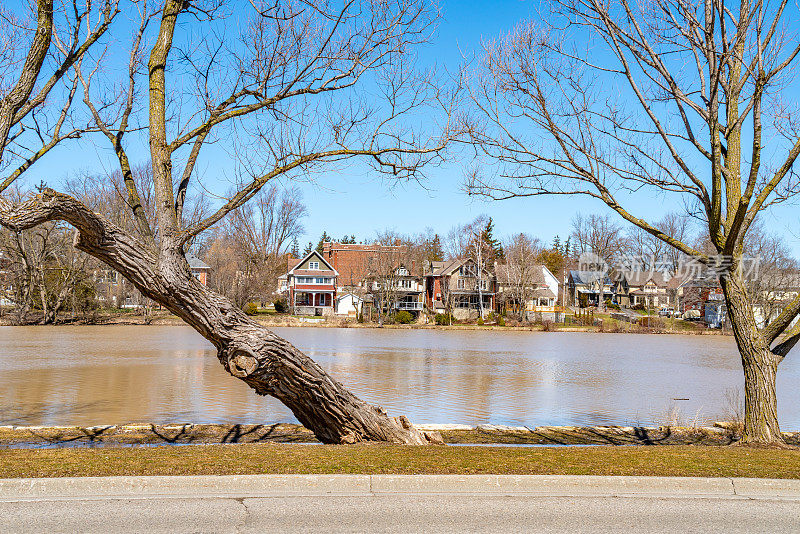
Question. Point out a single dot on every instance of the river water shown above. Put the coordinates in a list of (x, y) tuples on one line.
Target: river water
[(92, 375)]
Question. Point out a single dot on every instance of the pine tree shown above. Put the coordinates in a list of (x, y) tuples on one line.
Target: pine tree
[(308, 249), (556, 244), (325, 238), (435, 251), (494, 247), (295, 248)]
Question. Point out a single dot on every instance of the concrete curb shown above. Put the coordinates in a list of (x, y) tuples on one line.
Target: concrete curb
[(241, 486)]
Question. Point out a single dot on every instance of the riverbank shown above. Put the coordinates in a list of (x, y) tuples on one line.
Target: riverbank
[(609, 325), (247, 459), (185, 434)]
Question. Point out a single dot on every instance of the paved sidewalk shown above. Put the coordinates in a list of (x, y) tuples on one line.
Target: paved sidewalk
[(398, 503)]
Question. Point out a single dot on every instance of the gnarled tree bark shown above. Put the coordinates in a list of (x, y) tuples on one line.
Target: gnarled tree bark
[(759, 363), (267, 363)]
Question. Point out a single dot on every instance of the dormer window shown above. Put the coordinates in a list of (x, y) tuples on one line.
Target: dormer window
[(313, 265)]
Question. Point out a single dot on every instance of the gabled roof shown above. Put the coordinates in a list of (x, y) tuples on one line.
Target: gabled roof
[(294, 270), (589, 277), (544, 292), (513, 273), (641, 278), (679, 281), (446, 268), (196, 263), (345, 295), (443, 268)]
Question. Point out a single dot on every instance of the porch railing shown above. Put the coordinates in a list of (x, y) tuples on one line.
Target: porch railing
[(409, 305)]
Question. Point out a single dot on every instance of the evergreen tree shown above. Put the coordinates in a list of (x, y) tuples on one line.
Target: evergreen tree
[(308, 249), (557, 244), (493, 246), (435, 251), (295, 247), (324, 238), (567, 250), (553, 260)]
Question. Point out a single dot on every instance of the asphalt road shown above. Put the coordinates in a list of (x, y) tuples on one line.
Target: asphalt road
[(596, 505)]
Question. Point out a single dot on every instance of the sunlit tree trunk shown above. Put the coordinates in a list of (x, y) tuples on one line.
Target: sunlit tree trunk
[(759, 363)]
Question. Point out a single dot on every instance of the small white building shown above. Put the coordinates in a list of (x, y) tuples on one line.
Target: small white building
[(349, 305)]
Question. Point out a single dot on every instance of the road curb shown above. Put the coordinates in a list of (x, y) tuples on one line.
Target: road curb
[(242, 486)]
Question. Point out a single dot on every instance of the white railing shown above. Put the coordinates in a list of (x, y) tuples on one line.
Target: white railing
[(409, 306)]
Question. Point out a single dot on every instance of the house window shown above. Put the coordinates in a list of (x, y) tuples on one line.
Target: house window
[(313, 265), (460, 283), (405, 284), (484, 284)]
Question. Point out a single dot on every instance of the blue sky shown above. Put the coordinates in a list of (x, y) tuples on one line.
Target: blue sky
[(355, 201), (363, 204)]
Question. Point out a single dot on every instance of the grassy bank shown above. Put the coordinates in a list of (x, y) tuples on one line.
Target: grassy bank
[(388, 459), (610, 325)]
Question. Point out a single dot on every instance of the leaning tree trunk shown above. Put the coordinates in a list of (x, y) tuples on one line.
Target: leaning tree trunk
[(267, 363), (759, 363)]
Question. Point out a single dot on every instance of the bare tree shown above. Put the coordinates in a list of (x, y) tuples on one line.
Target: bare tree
[(303, 86), (601, 237), (479, 253), (597, 234), (47, 274), (777, 276), (458, 240), (681, 107), (248, 252), (517, 275), (385, 271)]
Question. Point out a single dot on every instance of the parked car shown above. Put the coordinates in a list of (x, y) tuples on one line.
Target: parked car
[(666, 312)]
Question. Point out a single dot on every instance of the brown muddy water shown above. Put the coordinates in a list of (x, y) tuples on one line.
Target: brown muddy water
[(92, 375)]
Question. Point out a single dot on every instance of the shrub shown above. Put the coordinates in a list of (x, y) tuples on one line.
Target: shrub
[(281, 306), (250, 308), (403, 317), (480, 321), (548, 326), (443, 319), (501, 321), (639, 306)]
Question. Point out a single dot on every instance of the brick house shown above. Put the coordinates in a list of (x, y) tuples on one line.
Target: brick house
[(199, 268), (354, 262), (310, 285)]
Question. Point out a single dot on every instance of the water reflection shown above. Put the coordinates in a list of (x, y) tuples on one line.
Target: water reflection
[(127, 374)]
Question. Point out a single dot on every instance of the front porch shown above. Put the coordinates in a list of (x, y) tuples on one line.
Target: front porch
[(411, 302), (318, 303), (467, 306)]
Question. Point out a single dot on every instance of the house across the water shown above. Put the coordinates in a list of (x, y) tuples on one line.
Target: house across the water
[(310, 285)]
